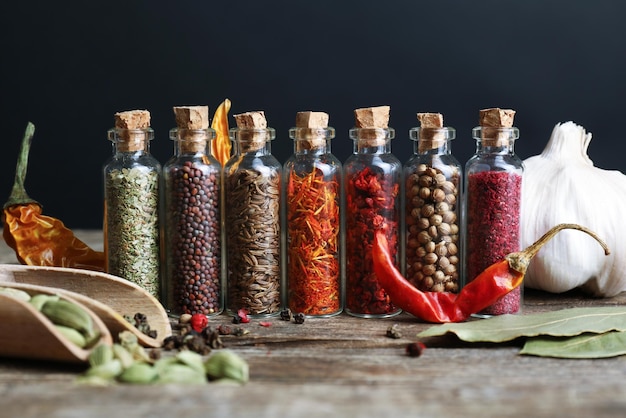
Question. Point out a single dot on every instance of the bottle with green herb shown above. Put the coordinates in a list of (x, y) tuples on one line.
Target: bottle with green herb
[(131, 203)]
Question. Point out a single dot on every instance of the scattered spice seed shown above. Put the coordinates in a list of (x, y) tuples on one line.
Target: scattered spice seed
[(265, 324), (286, 315), (394, 332), (299, 318), (243, 314), (140, 321), (199, 322), (415, 349)]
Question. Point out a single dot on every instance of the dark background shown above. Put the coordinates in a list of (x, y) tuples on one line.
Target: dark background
[(69, 66)]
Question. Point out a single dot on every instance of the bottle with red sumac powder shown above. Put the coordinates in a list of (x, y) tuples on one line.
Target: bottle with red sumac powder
[(192, 189), (372, 176), (432, 201), (493, 184)]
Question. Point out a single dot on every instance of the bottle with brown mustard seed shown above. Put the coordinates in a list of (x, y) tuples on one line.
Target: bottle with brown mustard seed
[(132, 223), (432, 215), (252, 193), (192, 189)]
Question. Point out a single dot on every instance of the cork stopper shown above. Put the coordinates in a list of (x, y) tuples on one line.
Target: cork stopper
[(192, 117), (372, 117), (193, 125), (372, 123), (252, 130), (311, 130), (431, 134), (132, 119), (494, 123), (131, 126), (496, 117)]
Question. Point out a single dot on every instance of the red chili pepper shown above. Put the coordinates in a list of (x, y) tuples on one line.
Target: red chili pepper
[(199, 322), (488, 287)]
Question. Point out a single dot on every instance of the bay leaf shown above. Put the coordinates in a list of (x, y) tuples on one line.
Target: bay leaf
[(561, 323), (584, 346)]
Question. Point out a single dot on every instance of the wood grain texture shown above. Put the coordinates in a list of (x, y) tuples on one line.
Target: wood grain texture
[(347, 367)]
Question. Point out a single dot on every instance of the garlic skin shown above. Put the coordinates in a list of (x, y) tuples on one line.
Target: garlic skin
[(561, 185)]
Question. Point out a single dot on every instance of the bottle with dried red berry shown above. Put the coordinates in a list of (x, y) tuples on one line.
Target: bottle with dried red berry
[(372, 176), (493, 184), (192, 178)]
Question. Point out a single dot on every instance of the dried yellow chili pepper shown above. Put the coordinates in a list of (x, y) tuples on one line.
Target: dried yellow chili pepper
[(40, 240), (221, 146)]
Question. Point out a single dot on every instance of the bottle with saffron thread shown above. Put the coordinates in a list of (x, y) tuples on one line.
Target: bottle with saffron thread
[(192, 190), (493, 177), (372, 176), (132, 221), (252, 182), (312, 184), (432, 216)]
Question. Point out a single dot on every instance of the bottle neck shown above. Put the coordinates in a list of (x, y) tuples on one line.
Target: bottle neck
[(130, 140), (432, 141), (495, 140), (191, 141), (252, 141), (313, 141), (372, 140)]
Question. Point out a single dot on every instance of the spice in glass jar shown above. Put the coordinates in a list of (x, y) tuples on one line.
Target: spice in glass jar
[(192, 217), (493, 184), (372, 191), (132, 203), (252, 182), (313, 186), (432, 208)]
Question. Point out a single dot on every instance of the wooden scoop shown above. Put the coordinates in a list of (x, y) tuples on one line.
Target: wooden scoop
[(27, 333), (110, 297)]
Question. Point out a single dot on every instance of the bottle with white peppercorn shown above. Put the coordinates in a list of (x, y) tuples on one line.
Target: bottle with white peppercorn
[(432, 216), (192, 245), (132, 203), (252, 184)]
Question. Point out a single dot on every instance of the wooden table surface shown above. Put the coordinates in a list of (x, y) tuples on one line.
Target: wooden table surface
[(343, 367)]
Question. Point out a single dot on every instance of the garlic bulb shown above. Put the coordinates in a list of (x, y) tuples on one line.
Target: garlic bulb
[(561, 185)]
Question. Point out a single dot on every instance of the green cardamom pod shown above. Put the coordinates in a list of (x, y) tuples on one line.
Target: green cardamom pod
[(140, 373), (227, 364)]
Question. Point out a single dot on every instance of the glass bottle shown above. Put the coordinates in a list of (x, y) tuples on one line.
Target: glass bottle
[(493, 184), (131, 209), (372, 176), (192, 189), (252, 181), (432, 216), (312, 184)]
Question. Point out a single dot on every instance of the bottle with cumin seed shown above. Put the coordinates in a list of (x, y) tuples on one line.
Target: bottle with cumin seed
[(252, 183), (132, 203), (192, 190), (312, 184)]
